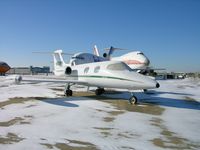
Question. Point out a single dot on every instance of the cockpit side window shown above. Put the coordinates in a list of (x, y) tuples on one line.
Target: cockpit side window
[(140, 53), (96, 69), (86, 70), (118, 67)]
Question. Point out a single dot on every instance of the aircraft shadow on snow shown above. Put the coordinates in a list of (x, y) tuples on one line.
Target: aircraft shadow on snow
[(155, 99), (60, 102), (152, 97)]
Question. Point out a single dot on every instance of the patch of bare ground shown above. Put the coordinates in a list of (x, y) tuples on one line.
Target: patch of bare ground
[(71, 145), (127, 135), (104, 131), (10, 138), (144, 108), (123, 105), (170, 139), (127, 148), (19, 100), (16, 120), (108, 119), (11, 122)]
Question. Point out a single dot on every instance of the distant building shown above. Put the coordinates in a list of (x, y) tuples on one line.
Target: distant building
[(20, 70), (171, 75), (193, 75), (29, 70), (39, 70)]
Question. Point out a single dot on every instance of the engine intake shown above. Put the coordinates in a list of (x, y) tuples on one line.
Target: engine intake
[(105, 55), (14, 79), (68, 71)]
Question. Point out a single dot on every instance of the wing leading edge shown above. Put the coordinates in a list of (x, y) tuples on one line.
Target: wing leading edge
[(53, 80)]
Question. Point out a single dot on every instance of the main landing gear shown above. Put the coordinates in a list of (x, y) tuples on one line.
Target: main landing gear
[(133, 99), (99, 91), (68, 92)]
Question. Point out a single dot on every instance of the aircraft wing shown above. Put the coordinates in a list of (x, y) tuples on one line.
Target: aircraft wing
[(52, 80), (147, 69)]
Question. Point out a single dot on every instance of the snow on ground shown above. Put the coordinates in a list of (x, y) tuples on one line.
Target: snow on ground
[(182, 117), (37, 116)]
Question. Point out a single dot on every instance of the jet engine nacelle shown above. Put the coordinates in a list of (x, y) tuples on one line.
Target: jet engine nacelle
[(105, 55), (18, 79), (14, 78), (68, 70)]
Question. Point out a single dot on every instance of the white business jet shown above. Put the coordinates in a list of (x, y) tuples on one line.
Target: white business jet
[(101, 74)]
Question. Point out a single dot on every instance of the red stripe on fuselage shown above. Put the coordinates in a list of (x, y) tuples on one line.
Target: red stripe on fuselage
[(129, 62)]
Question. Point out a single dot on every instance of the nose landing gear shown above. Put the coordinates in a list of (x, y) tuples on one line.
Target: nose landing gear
[(68, 92), (133, 99)]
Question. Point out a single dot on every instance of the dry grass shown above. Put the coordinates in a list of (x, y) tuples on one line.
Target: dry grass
[(67, 146), (170, 139), (10, 139)]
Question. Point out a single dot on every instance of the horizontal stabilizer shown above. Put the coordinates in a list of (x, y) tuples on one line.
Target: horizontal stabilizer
[(71, 54)]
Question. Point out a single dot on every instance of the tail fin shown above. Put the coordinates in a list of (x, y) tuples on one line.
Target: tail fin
[(58, 59), (108, 55), (96, 51), (111, 50)]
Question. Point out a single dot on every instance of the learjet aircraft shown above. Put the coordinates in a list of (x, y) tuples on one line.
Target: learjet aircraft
[(100, 74)]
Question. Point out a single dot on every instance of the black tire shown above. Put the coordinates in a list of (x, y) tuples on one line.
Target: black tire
[(145, 90), (68, 93), (133, 100), (99, 91)]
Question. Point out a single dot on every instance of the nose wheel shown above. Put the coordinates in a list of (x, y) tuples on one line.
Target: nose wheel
[(68, 92), (133, 100)]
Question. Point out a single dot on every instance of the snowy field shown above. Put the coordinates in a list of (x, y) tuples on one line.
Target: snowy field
[(39, 117)]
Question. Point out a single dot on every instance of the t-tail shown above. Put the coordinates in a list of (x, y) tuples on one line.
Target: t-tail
[(59, 63), (96, 51)]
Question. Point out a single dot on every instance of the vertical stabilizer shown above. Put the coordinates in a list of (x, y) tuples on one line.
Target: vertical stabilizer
[(96, 51), (58, 59)]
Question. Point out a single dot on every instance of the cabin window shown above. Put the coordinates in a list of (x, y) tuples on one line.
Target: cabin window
[(96, 69), (118, 67), (86, 70)]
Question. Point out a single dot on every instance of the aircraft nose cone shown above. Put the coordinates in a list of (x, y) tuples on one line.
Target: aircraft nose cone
[(157, 85)]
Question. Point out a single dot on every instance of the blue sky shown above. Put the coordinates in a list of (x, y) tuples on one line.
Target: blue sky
[(167, 31)]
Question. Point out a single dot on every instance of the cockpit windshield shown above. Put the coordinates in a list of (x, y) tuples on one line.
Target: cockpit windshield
[(140, 53), (119, 67)]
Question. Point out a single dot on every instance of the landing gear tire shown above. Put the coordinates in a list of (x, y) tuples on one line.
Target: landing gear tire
[(145, 90), (68, 93), (133, 100), (99, 91)]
